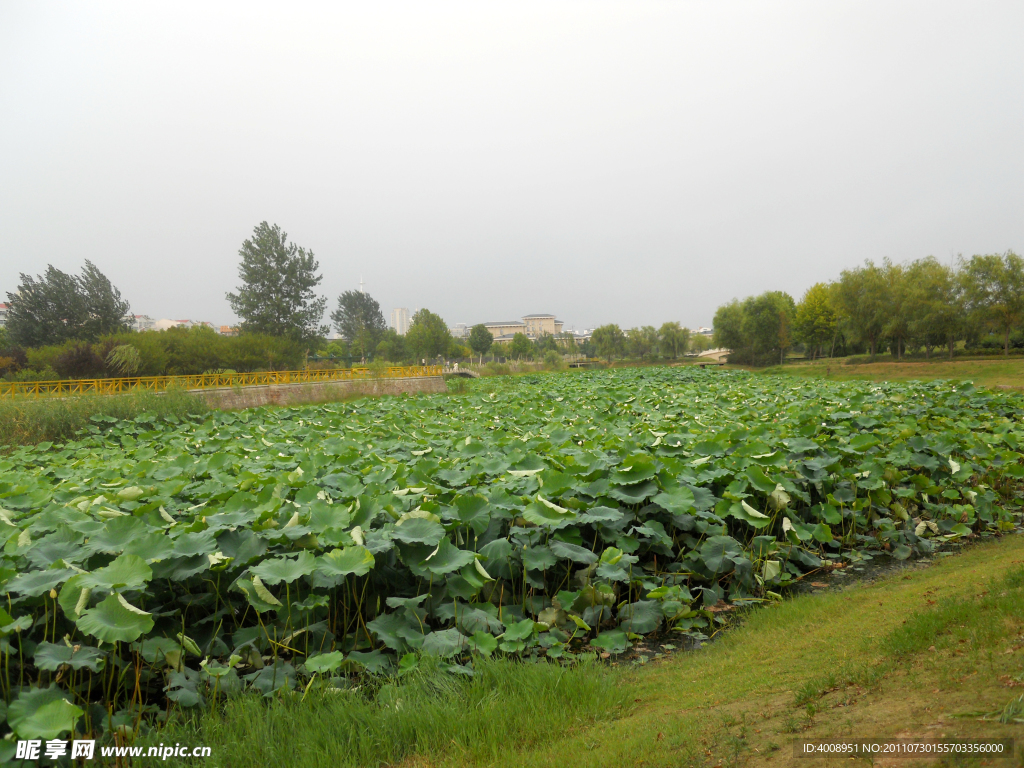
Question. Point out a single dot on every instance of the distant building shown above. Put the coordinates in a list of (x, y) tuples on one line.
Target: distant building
[(3, 315), (228, 330), (400, 320), (542, 325), (459, 331), (533, 326), (140, 323), (705, 331)]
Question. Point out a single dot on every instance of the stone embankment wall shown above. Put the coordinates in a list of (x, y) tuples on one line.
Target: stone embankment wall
[(230, 398)]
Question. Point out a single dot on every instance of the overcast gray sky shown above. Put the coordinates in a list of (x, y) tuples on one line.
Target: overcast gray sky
[(629, 162)]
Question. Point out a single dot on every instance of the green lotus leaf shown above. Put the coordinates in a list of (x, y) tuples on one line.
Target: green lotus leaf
[(35, 583), (715, 552), (444, 643), (152, 547), (472, 510), (42, 713), (634, 469), (641, 617), (125, 572), (538, 558), (52, 656), (115, 620), (678, 501), (419, 531), (284, 569), (543, 515), (520, 630), (325, 662), (339, 563), (572, 552), (635, 493), (447, 558), (613, 641), (482, 643), (117, 534)]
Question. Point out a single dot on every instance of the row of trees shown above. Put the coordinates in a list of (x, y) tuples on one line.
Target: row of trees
[(670, 341), (57, 307), (921, 305)]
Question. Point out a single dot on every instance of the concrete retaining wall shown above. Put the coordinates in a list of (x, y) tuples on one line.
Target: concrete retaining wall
[(229, 398)]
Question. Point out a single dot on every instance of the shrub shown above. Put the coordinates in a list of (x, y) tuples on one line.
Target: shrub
[(79, 361), (12, 360), (123, 360)]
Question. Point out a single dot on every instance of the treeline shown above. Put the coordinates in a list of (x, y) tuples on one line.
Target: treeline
[(61, 325), (919, 307), (670, 341), (153, 353)]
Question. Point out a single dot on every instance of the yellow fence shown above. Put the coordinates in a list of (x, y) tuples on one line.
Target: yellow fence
[(209, 380)]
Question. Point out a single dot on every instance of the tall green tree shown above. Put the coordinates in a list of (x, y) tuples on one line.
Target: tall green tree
[(480, 340), (428, 335), (106, 310), (816, 322), (521, 348), (936, 304), (391, 347), (898, 304), (641, 342), (994, 288), (56, 307), (673, 339), (728, 325), (767, 325), (359, 320), (609, 341), (276, 296), (860, 300)]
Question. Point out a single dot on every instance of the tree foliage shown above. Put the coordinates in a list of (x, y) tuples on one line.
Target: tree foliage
[(673, 339), (641, 342), (276, 296), (480, 340), (816, 322), (609, 341), (994, 288), (922, 304), (57, 307), (428, 335), (359, 321), (520, 347), (392, 347)]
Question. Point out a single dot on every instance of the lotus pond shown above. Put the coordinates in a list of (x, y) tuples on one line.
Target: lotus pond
[(160, 563)]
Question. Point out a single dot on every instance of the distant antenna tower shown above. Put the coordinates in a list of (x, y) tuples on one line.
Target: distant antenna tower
[(361, 288)]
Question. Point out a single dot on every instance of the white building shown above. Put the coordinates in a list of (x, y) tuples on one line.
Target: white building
[(3, 315), (459, 331), (140, 322), (400, 320), (705, 331)]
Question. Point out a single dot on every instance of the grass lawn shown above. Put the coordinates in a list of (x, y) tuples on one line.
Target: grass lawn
[(907, 655), (989, 372), (898, 657)]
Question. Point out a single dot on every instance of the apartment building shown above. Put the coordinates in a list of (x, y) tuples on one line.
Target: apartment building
[(533, 326), (400, 319)]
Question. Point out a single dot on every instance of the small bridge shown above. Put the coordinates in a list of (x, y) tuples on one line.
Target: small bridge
[(461, 373)]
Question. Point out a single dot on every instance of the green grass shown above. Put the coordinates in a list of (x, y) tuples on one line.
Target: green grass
[(990, 372), (429, 712), (29, 421)]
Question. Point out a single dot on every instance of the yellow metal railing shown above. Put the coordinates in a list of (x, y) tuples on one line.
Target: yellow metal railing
[(209, 380)]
